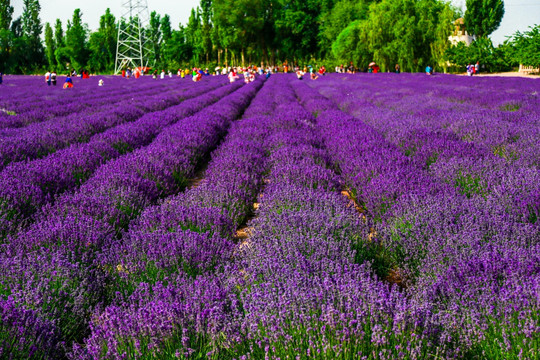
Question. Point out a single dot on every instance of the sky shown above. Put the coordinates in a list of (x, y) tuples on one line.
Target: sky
[(519, 14)]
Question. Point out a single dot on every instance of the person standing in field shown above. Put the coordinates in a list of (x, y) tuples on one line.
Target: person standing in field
[(48, 78), (232, 76), (162, 75), (477, 67), (53, 78), (470, 70), (1, 80), (397, 69), (68, 84)]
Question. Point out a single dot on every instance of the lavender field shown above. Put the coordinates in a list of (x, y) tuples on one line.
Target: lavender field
[(367, 216)]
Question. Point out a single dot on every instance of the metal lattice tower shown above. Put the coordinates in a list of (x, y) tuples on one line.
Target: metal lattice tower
[(133, 48)]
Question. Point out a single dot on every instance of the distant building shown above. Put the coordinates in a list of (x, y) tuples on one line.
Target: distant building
[(460, 34)]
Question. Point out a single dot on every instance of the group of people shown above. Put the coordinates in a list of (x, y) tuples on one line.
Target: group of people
[(50, 78), (312, 73), (349, 69), (473, 69), (127, 73), (249, 73)]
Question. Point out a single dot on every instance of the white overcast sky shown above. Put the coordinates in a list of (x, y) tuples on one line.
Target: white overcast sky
[(519, 14)]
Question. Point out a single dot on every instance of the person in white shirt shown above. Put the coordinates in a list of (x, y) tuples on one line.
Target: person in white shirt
[(162, 75), (48, 78), (232, 76)]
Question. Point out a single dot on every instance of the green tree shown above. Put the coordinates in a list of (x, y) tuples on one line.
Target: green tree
[(154, 35), (61, 53), (166, 36), (6, 13), (527, 46), (58, 34), (483, 17), (76, 36), (166, 28), (492, 59), (297, 27), (334, 20), (102, 44), (32, 28), (193, 37), (206, 29), (50, 47), (352, 45)]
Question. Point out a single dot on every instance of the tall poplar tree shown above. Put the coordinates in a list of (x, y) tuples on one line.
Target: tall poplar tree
[(483, 17), (50, 47), (102, 44), (6, 14), (32, 28), (76, 40)]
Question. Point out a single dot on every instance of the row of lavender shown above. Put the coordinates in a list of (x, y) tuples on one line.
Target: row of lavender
[(297, 287), (27, 100), (27, 186), (50, 272), (42, 138), (314, 277), (457, 222), (171, 268)]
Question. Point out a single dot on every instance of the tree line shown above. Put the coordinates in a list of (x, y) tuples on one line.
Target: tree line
[(411, 33)]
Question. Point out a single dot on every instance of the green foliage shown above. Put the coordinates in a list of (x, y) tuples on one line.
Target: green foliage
[(527, 47), (483, 17), (49, 46), (154, 34), (491, 59), (338, 18), (102, 44), (32, 28), (6, 13), (76, 40), (351, 44), (410, 33)]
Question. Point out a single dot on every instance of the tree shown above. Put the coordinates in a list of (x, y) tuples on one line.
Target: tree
[(352, 45), (483, 17), (206, 30), (76, 40), (58, 34), (166, 29), (102, 44), (6, 13), (492, 59), (49, 45), (193, 36), (297, 27), (31, 28), (337, 18), (527, 46), (154, 35), (61, 52)]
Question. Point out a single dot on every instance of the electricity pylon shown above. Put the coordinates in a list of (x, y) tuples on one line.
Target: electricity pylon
[(133, 48)]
